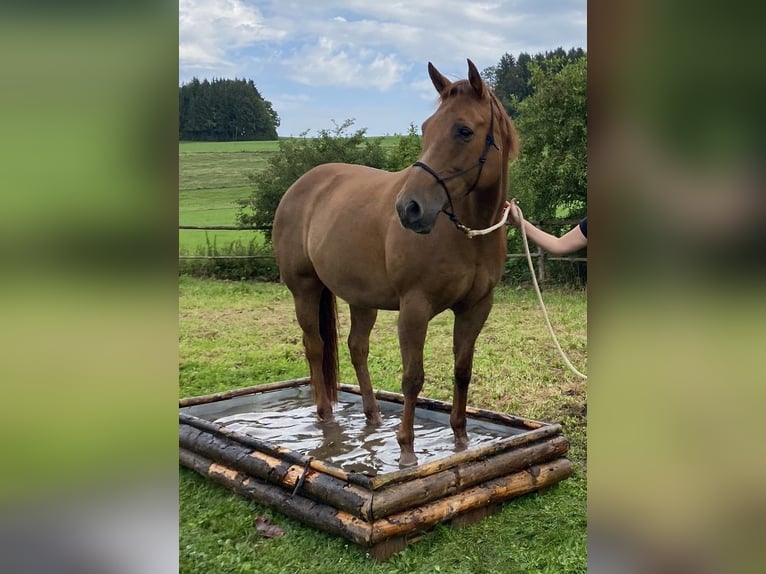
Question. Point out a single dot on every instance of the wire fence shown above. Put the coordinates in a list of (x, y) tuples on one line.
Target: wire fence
[(541, 257)]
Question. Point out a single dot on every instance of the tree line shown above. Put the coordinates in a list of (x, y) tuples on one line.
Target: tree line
[(224, 110), (511, 78)]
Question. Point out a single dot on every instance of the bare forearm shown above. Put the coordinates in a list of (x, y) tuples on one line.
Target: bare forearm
[(569, 242)]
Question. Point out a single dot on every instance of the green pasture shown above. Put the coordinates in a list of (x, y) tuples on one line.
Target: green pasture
[(211, 177), (235, 334), (207, 207)]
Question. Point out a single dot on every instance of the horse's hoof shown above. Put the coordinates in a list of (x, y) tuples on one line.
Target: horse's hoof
[(374, 419), (406, 460), (326, 417), (461, 443)]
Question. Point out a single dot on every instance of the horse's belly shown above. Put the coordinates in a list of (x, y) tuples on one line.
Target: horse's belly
[(354, 271), (357, 288)]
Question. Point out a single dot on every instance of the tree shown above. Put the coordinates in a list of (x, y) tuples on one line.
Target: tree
[(511, 78), (224, 110), (550, 175)]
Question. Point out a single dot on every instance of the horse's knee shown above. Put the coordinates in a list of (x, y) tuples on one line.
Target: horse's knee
[(412, 384)]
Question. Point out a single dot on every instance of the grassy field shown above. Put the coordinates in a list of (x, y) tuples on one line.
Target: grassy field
[(212, 176), (234, 334)]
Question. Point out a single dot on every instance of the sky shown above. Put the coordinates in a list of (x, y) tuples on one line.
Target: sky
[(321, 62)]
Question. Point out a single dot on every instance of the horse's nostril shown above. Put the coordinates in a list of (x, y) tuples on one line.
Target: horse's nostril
[(413, 211)]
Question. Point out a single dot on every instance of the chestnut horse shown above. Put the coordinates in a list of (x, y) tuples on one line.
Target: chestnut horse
[(376, 240)]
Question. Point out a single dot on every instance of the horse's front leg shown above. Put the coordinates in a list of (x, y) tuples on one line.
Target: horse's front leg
[(362, 321), (414, 315), (468, 324)]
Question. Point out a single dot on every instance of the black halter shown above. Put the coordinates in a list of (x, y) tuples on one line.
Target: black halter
[(488, 142)]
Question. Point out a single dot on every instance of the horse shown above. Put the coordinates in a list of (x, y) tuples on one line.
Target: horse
[(378, 241)]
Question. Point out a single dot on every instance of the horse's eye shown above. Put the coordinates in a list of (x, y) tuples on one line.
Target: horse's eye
[(465, 133)]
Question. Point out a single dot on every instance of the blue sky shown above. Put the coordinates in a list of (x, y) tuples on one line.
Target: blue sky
[(319, 61)]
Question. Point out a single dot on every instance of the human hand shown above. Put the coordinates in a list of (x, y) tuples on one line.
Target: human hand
[(514, 214)]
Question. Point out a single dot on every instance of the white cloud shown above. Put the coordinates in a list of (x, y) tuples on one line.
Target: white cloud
[(331, 63), (210, 29), (358, 42), (381, 46)]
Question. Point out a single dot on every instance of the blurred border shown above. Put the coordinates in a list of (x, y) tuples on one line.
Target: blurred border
[(88, 244), (676, 308)]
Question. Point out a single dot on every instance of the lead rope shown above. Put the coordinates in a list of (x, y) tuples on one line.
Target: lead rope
[(539, 295), (471, 233)]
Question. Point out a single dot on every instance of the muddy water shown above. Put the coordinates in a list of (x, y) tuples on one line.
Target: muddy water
[(288, 418)]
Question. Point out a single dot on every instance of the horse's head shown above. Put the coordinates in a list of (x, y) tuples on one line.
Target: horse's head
[(467, 143)]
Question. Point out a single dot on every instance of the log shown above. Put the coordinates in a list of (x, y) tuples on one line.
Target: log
[(320, 516), (482, 451), (313, 484), (497, 490), (274, 450), (203, 399), (428, 488)]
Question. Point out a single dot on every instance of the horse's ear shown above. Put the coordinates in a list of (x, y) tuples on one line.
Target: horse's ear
[(440, 82), (474, 78)]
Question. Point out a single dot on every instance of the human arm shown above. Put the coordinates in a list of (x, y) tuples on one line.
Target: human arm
[(570, 242)]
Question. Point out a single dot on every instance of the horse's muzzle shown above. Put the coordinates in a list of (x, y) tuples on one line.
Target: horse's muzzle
[(414, 217)]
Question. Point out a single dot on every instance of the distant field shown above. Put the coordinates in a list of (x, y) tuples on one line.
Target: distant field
[(217, 170), (230, 147), (210, 207), (212, 176)]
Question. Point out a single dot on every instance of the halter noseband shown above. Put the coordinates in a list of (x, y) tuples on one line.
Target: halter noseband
[(488, 142)]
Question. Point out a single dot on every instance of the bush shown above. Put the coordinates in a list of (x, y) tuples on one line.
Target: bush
[(297, 156), (406, 152), (551, 175), (239, 261)]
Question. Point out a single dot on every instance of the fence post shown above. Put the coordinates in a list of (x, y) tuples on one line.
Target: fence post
[(540, 265)]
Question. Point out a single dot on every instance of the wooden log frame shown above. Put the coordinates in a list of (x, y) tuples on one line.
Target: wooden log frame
[(386, 512)]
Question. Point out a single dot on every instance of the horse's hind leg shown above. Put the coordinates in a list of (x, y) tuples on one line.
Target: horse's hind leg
[(468, 325), (308, 296), (362, 321)]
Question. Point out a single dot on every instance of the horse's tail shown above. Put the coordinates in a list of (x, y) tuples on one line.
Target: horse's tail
[(328, 330)]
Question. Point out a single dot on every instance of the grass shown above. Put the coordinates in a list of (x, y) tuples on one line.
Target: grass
[(211, 207), (234, 334)]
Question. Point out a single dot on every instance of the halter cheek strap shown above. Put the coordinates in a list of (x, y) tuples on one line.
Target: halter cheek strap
[(489, 141)]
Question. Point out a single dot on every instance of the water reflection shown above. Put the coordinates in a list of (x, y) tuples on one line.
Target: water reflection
[(288, 419)]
